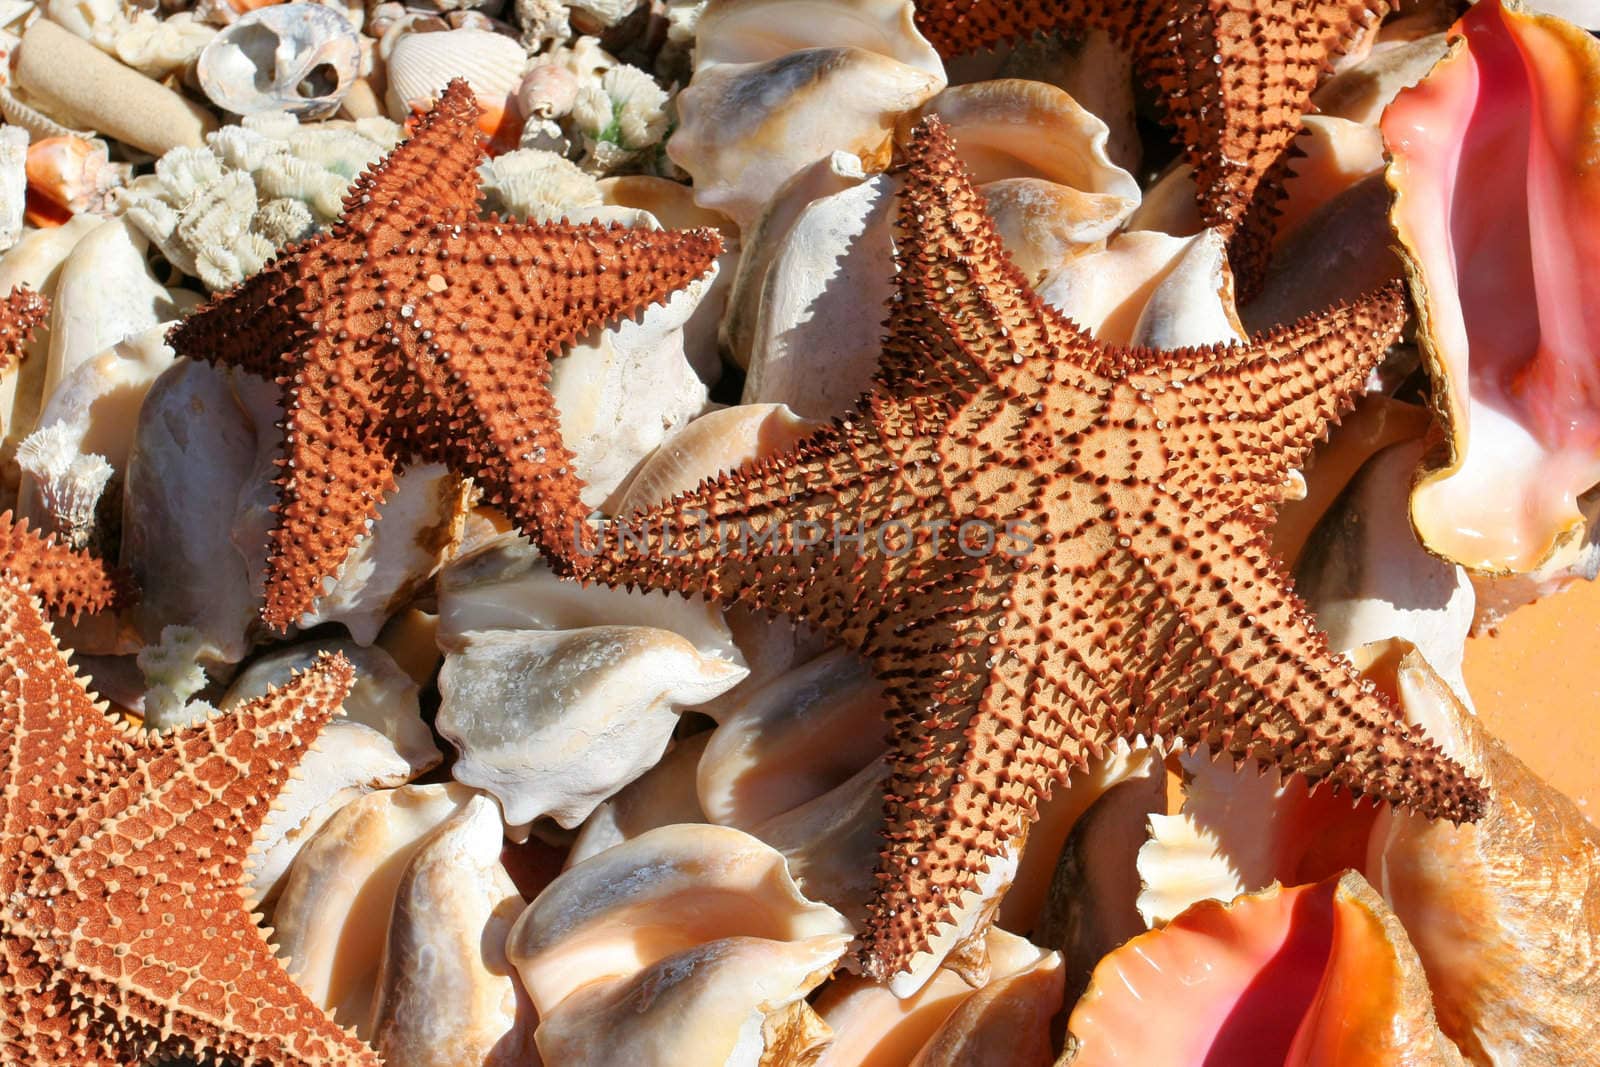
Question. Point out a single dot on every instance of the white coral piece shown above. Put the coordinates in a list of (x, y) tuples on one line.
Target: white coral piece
[(70, 483), (173, 674), (538, 185)]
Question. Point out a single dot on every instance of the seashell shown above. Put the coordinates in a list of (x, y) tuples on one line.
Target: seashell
[(1503, 912), (69, 176), (542, 22), (89, 419), (1499, 276), (1367, 579), (1499, 596), (762, 242), (791, 740), (651, 899), (832, 840), (348, 761), (505, 586), (13, 183), (1574, 11), (35, 261), (662, 796), (553, 723), (738, 1001), (332, 918), (1040, 160), (446, 994), (1346, 987), (815, 341), (100, 22), (77, 85), (420, 65), (1361, 92), (717, 441), (825, 76), (1150, 289), (162, 47), (1169, 205), (192, 448), (547, 91), (874, 1028), (1007, 1021), (622, 389), (298, 57), (383, 699), (1337, 153)]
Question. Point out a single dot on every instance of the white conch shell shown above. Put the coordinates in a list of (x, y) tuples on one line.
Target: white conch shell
[(651, 898), (623, 388), (780, 84), (1335, 154), (1361, 92), (105, 293), (815, 341), (194, 448), (13, 183), (298, 57), (737, 1002), (662, 796), (1150, 289), (1007, 1021), (553, 723), (332, 917), (954, 943), (504, 585), (874, 1028), (832, 841), (446, 995), (1368, 579), (347, 761), (420, 65), (1040, 160), (792, 740), (383, 698), (93, 413)]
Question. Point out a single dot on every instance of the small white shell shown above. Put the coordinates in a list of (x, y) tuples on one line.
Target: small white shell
[(422, 64), (446, 994), (300, 57)]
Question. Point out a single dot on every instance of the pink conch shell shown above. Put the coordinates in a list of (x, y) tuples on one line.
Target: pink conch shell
[(1315, 975), (1498, 207)]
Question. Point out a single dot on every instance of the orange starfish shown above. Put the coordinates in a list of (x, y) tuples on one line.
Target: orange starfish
[(124, 935), (1042, 544), (1234, 76), (413, 330), (67, 581), (20, 314)]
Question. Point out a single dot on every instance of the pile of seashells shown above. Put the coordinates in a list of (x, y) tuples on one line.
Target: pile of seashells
[(583, 826)]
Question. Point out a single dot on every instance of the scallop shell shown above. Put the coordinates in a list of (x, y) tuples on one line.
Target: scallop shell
[(420, 65), (1502, 276), (1341, 983), (298, 57), (332, 917)]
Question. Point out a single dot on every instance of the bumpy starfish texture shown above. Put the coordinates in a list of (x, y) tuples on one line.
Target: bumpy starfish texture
[(123, 933), (1234, 76), (413, 330), (69, 582), (21, 312), (1063, 545)]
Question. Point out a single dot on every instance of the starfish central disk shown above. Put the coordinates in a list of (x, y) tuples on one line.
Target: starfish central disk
[(1234, 76), (1043, 544), (123, 931), (414, 330)]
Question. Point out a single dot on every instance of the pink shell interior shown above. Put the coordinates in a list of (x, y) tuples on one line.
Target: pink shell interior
[(1496, 167)]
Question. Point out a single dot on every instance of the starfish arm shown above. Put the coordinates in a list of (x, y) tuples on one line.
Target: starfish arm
[(334, 474), (250, 326), (437, 165), (21, 312), (1242, 668), (961, 313), (1244, 416), (69, 582)]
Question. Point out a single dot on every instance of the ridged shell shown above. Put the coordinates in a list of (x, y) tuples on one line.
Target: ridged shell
[(422, 64)]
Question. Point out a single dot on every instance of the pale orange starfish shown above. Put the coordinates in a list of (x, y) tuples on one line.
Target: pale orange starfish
[(1043, 544)]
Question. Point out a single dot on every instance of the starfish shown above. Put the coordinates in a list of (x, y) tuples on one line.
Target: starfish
[(1041, 544), (20, 314), (1234, 76), (124, 935), (69, 582), (413, 330)]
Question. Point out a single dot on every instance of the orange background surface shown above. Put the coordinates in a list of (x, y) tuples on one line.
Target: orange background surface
[(1536, 685)]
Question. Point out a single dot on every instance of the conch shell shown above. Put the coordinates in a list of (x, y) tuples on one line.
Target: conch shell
[(1317, 974), (1498, 208)]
